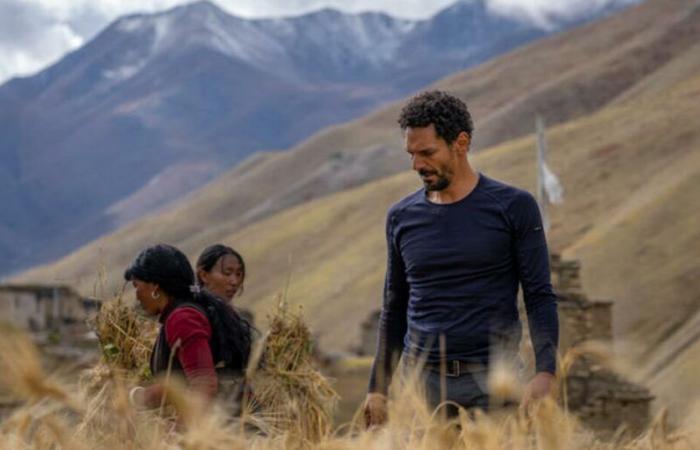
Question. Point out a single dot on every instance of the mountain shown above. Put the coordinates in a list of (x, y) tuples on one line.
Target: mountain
[(626, 153), (564, 77), (157, 105), (598, 64)]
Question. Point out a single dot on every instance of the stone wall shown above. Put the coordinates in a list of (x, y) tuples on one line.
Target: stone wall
[(37, 308), (602, 399)]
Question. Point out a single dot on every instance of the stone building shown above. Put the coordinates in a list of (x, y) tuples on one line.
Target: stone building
[(603, 400), (54, 317), (37, 308)]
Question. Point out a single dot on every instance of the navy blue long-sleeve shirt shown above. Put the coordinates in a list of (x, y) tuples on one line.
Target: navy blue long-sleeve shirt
[(454, 269)]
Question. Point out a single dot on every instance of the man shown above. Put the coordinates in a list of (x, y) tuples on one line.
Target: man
[(457, 251)]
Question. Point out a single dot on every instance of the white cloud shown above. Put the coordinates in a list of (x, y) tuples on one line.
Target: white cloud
[(415, 9), (30, 38), (65, 9), (38, 32), (543, 11)]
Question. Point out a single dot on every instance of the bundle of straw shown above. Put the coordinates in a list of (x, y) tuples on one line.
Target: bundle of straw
[(126, 339), (293, 397)]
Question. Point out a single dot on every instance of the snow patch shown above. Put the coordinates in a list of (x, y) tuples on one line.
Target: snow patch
[(131, 24), (370, 38), (124, 72), (238, 38), (161, 27)]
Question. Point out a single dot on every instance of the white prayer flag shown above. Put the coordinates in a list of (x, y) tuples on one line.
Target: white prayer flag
[(552, 186), (549, 189)]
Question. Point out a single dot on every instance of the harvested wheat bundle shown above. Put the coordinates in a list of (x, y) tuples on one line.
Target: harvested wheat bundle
[(125, 340), (292, 395), (125, 336)]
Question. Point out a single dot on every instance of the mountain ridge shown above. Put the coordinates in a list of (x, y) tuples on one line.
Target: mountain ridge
[(190, 88), (342, 156), (194, 90)]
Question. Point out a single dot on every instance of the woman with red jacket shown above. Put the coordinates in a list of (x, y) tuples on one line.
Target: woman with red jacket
[(210, 341)]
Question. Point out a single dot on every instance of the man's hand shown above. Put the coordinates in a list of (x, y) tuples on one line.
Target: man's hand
[(539, 387), (375, 409)]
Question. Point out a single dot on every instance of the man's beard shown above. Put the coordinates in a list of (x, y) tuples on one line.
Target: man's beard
[(441, 182)]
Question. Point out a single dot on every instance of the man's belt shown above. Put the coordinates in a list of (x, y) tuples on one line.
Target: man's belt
[(453, 368)]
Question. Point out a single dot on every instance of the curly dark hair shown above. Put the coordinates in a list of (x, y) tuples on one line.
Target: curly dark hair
[(446, 112)]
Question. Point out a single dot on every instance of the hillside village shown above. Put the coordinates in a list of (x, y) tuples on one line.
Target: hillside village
[(622, 100)]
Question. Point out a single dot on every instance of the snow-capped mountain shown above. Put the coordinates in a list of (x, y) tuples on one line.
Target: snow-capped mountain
[(157, 104), (324, 45)]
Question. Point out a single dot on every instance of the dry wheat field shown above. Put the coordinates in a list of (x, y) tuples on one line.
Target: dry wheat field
[(294, 405)]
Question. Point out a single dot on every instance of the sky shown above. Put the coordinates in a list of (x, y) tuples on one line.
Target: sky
[(36, 33)]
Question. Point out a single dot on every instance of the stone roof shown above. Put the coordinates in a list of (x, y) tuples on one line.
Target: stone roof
[(39, 289)]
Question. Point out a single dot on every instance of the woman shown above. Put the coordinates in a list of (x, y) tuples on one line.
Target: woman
[(211, 342), (221, 271)]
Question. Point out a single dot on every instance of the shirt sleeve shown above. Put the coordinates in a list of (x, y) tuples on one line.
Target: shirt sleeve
[(532, 258), (392, 321), (192, 329)]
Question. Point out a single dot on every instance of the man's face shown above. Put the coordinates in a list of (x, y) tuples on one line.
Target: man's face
[(431, 157)]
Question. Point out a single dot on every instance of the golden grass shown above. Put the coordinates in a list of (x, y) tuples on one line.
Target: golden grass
[(55, 416)]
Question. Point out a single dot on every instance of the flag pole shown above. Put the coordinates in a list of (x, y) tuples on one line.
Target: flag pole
[(542, 200)]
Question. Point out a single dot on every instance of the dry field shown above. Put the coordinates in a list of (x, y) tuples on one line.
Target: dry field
[(51, 413)]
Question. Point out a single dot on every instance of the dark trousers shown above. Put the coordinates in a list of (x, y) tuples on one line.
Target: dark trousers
[(468, 390)]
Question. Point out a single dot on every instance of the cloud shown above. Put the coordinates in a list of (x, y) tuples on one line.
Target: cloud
[(35, 33), (415, 9), (544, 12), (30, 37)]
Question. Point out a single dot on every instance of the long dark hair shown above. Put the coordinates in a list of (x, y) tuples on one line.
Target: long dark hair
[(170, 269), (214, 253)]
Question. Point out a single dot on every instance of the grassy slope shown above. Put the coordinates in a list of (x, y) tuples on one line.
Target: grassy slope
[(628, 214), (612, 168)]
